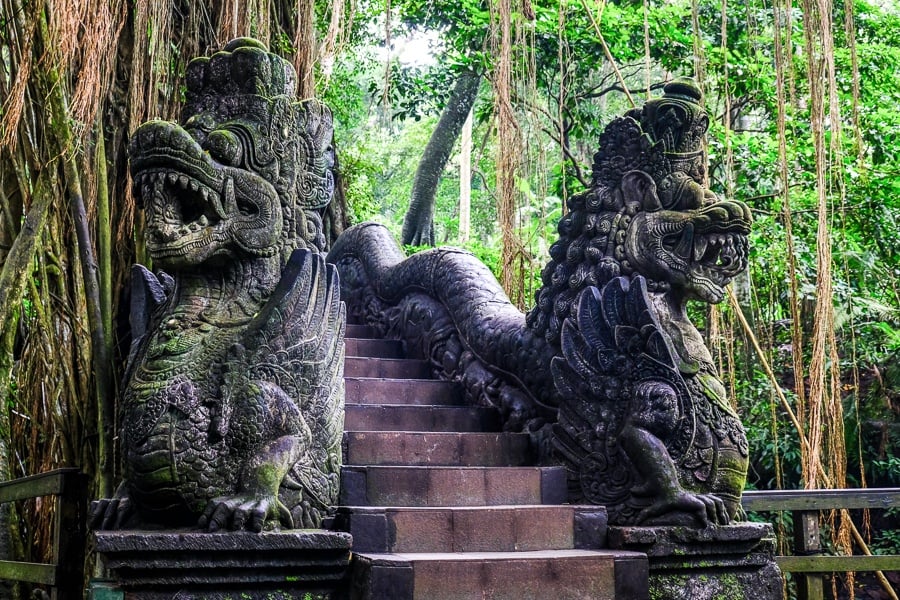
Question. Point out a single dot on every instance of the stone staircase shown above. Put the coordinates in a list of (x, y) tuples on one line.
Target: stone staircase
[(444, 506)]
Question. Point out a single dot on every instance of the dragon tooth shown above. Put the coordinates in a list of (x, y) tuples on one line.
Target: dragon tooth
[(230, 200), (183, 182), (686, 243), (203, 221), (172, 178), (194, 185), (216, 201), (700, 244)]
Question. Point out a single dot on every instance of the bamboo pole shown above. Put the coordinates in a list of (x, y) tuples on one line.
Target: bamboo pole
[(90, 273), (465, 179)]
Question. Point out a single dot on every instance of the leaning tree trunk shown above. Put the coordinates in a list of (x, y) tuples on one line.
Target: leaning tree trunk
[(337, 217), (418, 225)]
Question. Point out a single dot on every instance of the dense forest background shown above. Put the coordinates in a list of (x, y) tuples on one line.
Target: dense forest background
[(803, 98)]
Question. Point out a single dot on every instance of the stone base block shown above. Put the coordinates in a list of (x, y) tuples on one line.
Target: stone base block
[(192, 565), (734, 562)]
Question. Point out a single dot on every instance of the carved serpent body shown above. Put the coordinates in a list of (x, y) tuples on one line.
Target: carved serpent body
[(449, 308), (639, 416)]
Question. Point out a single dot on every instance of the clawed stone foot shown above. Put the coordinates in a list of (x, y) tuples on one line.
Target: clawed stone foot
[(311, 517), (111, 513), (244, 511), (707, 509)]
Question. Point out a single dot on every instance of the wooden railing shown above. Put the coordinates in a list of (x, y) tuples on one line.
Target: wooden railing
[(808, 563), (64, 574)]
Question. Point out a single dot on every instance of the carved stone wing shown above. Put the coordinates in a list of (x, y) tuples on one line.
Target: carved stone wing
[(148, 293), (297, 342), (611, 346)]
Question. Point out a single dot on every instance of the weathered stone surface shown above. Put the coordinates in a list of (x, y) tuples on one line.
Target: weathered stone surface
[(355, 330), (742, 537), (375, 348), (377, 390), (590, 527), (297, 564), (397, 368), (400, 417), (732, 562), (459, 529), (232, 409), (451, 486)]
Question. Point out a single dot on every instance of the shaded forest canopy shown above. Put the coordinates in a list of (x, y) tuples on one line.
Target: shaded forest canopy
[(802, 98)]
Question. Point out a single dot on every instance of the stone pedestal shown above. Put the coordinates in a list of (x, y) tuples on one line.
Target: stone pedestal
[(190, 565), (735, 562)]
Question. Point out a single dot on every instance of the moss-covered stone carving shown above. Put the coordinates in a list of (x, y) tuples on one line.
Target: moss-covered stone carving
[(232, 409)]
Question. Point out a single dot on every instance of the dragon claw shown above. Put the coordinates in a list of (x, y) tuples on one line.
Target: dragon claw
[(707, 509), (248, 512), (311, 517), (111, 513)]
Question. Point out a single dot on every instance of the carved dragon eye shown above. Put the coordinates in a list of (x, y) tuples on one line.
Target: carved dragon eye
[(199, 126), (225, 147), (247, 208)]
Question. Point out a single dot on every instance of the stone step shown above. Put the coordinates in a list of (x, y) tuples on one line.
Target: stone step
[(373, 348), (451, 486), (473, 529), (373, 390), (397, 417), (397, 368), (555, 574), (357, 330), (437, 448)]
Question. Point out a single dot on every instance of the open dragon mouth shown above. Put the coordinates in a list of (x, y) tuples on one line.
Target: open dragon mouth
[(183, 213), (196, 208), (716, 257), (699, 251)]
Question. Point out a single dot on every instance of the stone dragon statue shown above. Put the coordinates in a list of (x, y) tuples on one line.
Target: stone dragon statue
[(606, 370), (232, 410)]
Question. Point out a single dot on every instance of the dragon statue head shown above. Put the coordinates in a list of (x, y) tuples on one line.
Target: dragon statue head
[(247, 171), (647, 212)]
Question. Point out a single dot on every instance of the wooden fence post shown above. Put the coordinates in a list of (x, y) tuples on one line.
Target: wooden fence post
[(810, 586), (69, 537)]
